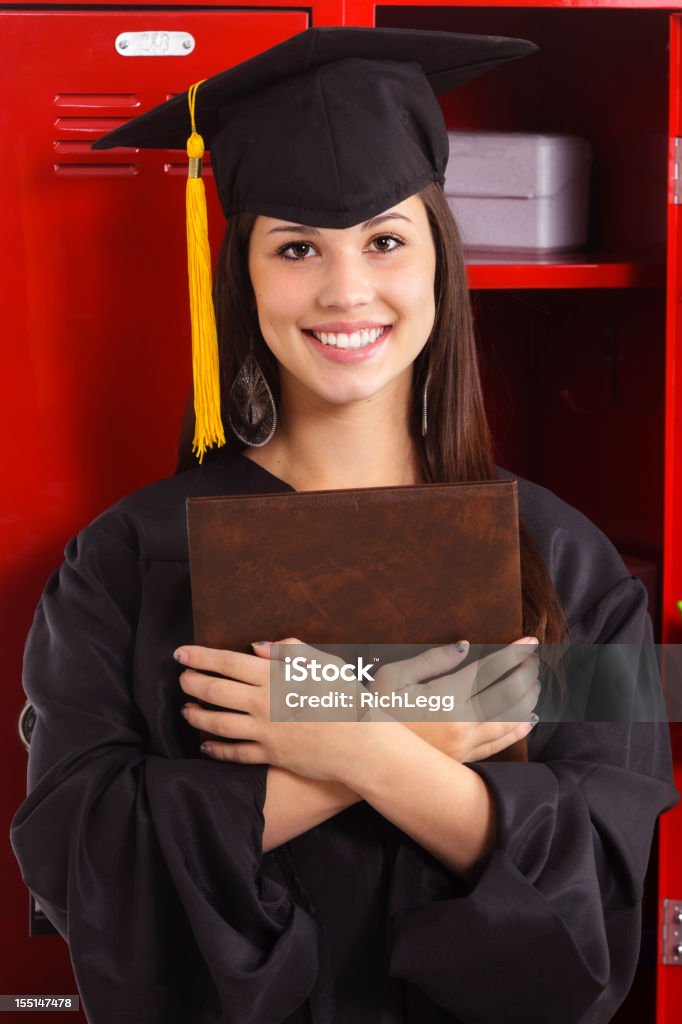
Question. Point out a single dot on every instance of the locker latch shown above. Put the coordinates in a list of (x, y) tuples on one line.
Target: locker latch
[(671, 949)]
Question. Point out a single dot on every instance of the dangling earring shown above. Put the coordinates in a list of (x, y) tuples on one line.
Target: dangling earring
[(424, 404), (251, 407)]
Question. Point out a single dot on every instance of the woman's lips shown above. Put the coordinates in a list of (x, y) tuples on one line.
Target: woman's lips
[(348, 355)]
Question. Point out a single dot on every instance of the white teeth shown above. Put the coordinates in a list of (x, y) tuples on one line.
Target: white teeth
[(358, 339)]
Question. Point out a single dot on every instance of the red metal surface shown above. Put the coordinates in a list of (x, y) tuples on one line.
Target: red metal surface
[(672, 576), (669, 978), (320, 12), (94, 299), (364, 12), (571, 272), (96, 357), (329, 12)]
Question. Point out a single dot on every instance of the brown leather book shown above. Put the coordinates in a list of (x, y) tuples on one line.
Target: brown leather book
[(422, 565)]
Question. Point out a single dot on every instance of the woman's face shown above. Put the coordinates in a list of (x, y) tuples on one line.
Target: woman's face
[(345, 310)]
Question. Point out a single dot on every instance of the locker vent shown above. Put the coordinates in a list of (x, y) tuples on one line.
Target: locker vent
[(106, 100), (80, 118), (92, 115)]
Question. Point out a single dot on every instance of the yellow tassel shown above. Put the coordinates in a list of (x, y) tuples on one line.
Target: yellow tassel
[(208, 427)]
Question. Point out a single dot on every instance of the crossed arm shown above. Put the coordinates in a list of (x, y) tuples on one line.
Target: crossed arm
[(317, 769), (443, 805)]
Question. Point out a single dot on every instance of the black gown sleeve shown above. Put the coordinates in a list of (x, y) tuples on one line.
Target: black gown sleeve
[(149, 866), (549, 925)]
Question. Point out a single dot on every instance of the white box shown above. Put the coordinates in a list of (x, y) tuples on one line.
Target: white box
[(512, 190)]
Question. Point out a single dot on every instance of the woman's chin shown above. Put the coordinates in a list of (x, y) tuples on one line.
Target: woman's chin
[(349, 396)]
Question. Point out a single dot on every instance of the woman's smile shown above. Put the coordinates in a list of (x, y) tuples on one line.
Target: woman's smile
[(352, 347)]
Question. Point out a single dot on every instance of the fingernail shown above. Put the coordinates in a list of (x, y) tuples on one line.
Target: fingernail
[(461, 646), (184, 709), (538, 685), (180, 655), (261, 643), (205, 749), (533, 719), (532, 641)]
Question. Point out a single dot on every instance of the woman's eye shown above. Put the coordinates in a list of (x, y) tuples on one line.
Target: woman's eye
[(296, 252), (290, 248), (389, 238)]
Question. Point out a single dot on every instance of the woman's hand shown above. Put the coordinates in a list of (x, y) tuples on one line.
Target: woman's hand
[(490, 713), (315, 749)]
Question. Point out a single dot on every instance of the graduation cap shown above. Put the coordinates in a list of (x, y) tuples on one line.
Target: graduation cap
[(327, 129)]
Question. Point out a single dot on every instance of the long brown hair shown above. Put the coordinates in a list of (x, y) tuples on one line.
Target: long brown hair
[(458, 445)]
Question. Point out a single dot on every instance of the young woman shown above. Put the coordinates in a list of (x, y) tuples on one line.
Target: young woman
[(336, 872)]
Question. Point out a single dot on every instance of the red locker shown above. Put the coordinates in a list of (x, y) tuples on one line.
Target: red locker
[(95, 311), (582, 356)]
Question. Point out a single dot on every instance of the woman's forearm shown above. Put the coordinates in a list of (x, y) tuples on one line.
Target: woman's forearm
[(294, 804), (443, 805)]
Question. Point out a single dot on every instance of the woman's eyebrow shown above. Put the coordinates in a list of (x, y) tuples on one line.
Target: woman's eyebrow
[(303, 229)]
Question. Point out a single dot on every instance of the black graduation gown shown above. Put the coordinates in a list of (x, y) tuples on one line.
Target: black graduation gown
[(147, 857)]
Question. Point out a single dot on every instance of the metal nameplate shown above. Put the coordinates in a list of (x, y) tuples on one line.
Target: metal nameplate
[(154, 44)]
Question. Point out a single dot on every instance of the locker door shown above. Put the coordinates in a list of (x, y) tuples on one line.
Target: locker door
[(96, 354)]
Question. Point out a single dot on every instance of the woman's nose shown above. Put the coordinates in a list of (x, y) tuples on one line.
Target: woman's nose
[(347, 283)]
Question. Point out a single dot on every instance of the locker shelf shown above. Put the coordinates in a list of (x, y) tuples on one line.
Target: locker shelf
[(489, 270)]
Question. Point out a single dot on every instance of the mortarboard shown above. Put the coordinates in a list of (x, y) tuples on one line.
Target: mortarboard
[(328, 128)]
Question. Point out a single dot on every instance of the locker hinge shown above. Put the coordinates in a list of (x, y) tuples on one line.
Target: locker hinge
[(677, 172), (671, 922)]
